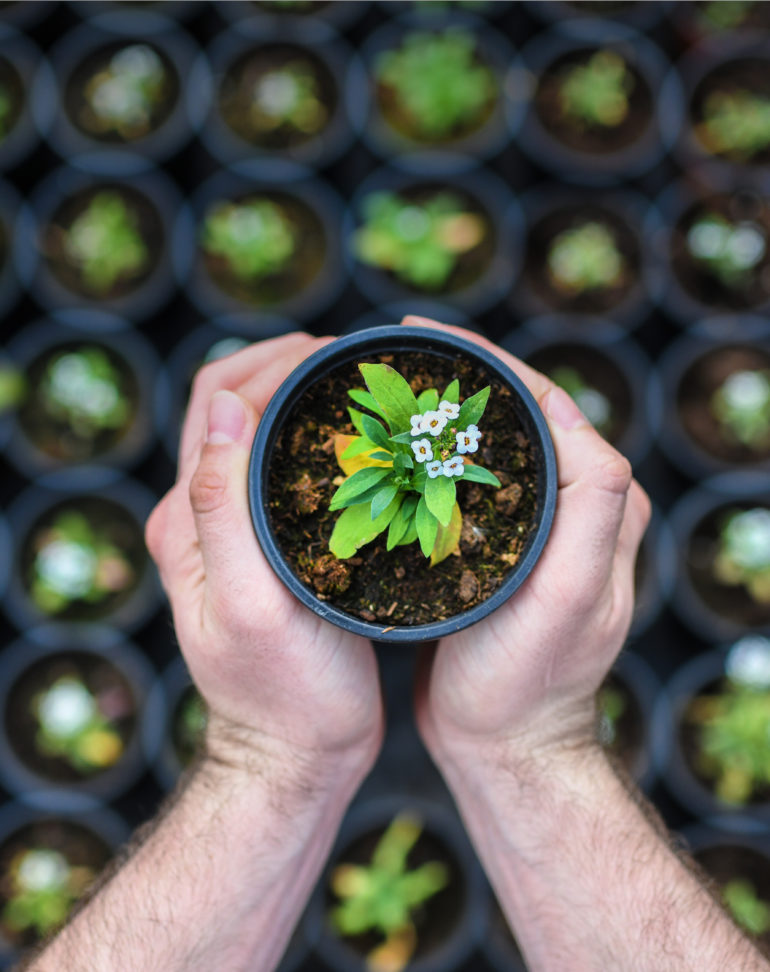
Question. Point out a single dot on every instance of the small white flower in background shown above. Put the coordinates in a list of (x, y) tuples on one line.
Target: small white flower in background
[(468, 441), (434, 422), (422, 450), (416, 424), (453, 466), (434, 468), (449, 409)]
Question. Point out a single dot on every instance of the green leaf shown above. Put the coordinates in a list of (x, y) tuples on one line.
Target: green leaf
[(477, 474), (427, 401), (452, 393), (401, 522), (440, 496), (358, 446), (401, 463), (358, 483), (392, 393), (472, 409), (355, 527), (384, 456), (355, 418), (403, 437), (410, 536), (427, 527), (382, 499), (362, 397), (376, 432), (447, 538)]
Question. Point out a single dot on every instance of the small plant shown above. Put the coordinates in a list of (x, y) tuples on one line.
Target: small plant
[(592, 403), (585, 258), (382, 897), (420, 243), (744, 553), (726, 14), (402, 478), (13, 387), (123, 97), (735, 123), (72, 726), (746, 907), (729, 251), (44, 886), (612, 703), (741, 404), (105, 245), (189, 728), (255, 237), (438, 82), (289, 95), (595, 94), (74, 561)]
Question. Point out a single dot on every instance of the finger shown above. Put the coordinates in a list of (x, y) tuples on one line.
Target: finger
[(636, 519), (259, 387)]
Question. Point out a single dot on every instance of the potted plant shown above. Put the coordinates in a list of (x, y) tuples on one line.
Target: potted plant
[(594, 108), (27, 90), (706, 18), (81, 557), (437, 92), (266, 247), (104, 244), (72, 717), (455, 240), (399, 892), (85, 399), (184, 730), (285, 104), (369, 569), (120, 93)]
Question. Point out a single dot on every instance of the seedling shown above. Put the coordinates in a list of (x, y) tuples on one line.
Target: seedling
[(383, 896), (289, 95), (421, 243), (592, 403), (44, 886), (438, 81), (726, 14), (585, 258), (595, 94), (741, 404), (13, 386), (735, 123), (255, 237), (72, 726), (83, 389), (743, 558), (105, 244), (123, 97), (746, 907), (729, 251), (402, 466)]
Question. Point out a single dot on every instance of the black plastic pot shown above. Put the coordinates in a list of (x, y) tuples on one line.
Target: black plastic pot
[(79, 55), (45, 651), (655, 573), (499, 946), (26, 73), (692, 370), (132, 357), (393, 313), (482, 191), (257, 19), (461, 902), (366, 344), (671, 747), (644, 149), (639, 14), (139, 19), (163, 744), (447, 154), (341, 77), (10, 208)]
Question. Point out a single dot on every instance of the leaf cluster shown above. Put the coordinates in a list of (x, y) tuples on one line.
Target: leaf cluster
[(596, 93), (255, 237)]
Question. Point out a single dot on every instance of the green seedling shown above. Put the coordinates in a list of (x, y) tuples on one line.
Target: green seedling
[(729, 251), (741, 404), (255, 237), (123, 96), (585, 258), (743, 558), (289, 95), (612, 704), (735, 123), (44, 888), (596, 94), (746, 907), (84, 390)]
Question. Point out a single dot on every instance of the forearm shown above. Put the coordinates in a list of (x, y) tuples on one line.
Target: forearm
[(221, 881), (586, 879)]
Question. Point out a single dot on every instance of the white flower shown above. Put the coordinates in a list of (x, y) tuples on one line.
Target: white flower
[(449, 409), (416, 424), (422, 450), (468, 441), (434, 468), (433, 422), (453, 466)]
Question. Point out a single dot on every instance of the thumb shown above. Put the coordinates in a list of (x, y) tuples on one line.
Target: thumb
[(219, 495)]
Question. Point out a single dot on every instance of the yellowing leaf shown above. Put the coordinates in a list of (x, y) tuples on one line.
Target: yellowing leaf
[(350, 466), (447, 538)]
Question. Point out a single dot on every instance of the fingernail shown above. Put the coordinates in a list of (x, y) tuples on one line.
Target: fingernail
[(227, 419), (562, 409), (415, 319)]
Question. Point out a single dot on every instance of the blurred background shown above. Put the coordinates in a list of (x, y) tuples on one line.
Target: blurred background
[(585, 183)]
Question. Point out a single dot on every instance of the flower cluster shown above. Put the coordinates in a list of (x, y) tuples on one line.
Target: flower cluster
[(437, 456)]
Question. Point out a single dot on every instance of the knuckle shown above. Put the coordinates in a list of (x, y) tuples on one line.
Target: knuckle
[(613, 474), (154, 530), (208, 488)]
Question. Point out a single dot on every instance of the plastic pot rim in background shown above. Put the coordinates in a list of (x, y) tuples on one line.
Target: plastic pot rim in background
[(253, 21), (39, 94)]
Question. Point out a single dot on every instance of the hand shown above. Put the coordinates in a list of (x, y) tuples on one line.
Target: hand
[(279, 682), (528, 673)]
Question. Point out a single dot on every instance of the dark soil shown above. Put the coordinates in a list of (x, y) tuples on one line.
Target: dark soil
[(733, 603), (593, 139), (298, 274), (241, 77), (544, 232), (79, 111), (695, 276), (696, 389), (149, 226), (11, 82), (56, 437), (99, 676), (748, 74), (399, 587), (726, 862)]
